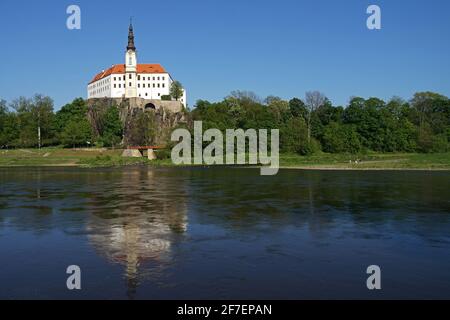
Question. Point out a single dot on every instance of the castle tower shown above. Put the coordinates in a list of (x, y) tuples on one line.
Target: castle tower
[(131, 66)]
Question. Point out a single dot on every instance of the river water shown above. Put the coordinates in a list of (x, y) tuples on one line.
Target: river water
[(223, 233)]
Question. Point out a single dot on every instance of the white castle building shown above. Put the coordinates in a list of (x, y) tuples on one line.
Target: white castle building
[(132, 80)]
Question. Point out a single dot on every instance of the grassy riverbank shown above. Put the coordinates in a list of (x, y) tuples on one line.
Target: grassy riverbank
[(438, 161), (109, 158), (63, 157)]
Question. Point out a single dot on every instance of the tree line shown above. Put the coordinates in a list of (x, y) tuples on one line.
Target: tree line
[(306, 125), (313, 123), (32, 122)]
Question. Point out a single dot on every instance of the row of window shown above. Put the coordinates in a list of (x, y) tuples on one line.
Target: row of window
[(100, 90), (146, 94), (139, 78), (139, 85), (93, 93), (106, 81), (100, 83), (96, 92), (157, 86)]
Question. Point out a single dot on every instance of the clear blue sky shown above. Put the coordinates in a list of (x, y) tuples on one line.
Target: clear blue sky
[(281, 47)]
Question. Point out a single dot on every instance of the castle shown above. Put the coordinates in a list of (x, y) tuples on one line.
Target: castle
[(132, 80)]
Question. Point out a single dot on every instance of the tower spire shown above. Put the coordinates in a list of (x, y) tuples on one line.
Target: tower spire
[(131, 45)]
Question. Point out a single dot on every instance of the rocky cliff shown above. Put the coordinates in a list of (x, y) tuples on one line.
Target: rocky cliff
[(145, 122)]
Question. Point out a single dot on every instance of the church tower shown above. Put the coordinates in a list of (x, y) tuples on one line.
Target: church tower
[(131, 66)]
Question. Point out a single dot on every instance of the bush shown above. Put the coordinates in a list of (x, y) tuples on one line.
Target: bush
[(440, 144), (163, 154), (339, 138), (309, 148), (76, 133)]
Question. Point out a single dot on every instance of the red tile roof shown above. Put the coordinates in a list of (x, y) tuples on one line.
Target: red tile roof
[(120, 69)]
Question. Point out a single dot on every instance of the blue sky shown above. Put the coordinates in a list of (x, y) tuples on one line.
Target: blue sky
[(281, 47)]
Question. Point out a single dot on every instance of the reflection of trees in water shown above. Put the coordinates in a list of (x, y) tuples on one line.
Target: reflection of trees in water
[(136, 219), (322, 200), (25, 201)]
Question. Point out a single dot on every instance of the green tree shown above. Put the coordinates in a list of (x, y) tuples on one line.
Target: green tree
[(245, 97), (71, 112), (294, 136), (111, 128), (298, 108), (279, 109), (76, 133), (9, 132), (313, 101), (27, 136), (8, 126), (3, 107), (365, 116), (339, 138), (365, 124), (427, 103), (176, 90), (42, 113), (34, 120)]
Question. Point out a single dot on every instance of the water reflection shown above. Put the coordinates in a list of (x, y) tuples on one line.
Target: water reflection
[(132, 228), (223, 233), (408, 201)]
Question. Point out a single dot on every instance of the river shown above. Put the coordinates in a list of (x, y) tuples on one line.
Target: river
[(223, 233)]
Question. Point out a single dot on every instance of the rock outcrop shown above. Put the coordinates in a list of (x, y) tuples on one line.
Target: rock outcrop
[(145, 122)]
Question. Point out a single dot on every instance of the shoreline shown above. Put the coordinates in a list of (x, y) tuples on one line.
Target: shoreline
[(362, 169), (150, 165), (103, 158)]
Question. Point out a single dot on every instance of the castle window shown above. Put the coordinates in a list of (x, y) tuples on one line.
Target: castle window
[(130, 84), (153, 85), (143, 85), (139, 85), (146, 94), (159, 85), (163, 85), (139, 77), (129, 76), (158, 78)]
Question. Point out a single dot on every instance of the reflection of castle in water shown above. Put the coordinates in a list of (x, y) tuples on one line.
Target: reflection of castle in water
[(136, 220)]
